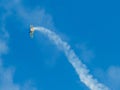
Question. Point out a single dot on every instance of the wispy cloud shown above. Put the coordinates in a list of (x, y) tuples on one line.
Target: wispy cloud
[(79, 67), (3, 47), (113, 75), (29, 85), (7, 74), (36, 16), (110, 76), (86, 54), (6, 79)]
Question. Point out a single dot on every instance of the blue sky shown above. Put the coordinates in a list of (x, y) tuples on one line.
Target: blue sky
[(92, 29)]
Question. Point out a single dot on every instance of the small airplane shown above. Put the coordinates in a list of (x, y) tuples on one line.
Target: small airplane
[(31, 31)]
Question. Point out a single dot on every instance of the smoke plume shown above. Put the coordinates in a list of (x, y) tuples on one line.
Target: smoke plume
[(79, 67)]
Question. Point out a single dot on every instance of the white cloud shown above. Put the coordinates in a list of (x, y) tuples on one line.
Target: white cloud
[(36, 16), (110, 77), (7, 74), (113, 74), (29, 85), (86, 54), (6, 79), (3, 47)]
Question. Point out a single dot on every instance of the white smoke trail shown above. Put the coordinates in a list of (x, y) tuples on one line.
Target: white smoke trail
[(79, 67)]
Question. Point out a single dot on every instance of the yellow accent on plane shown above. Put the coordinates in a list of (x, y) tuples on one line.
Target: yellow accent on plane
[(31, 31)]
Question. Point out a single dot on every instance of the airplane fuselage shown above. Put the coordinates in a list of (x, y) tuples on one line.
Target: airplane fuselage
[(31, 31)]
